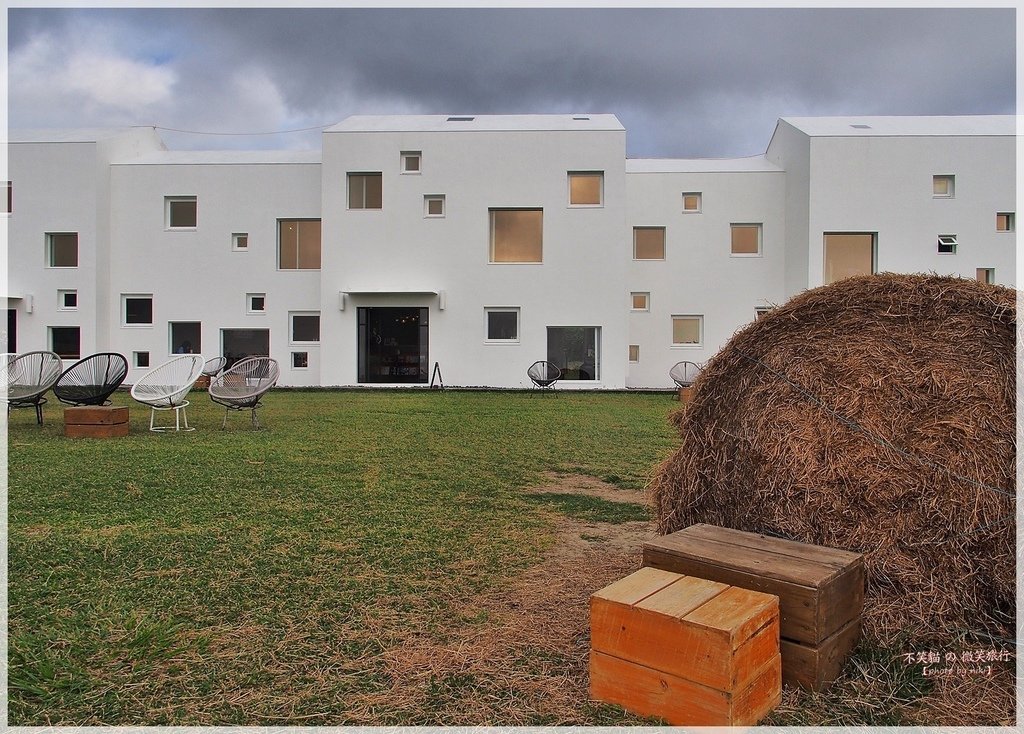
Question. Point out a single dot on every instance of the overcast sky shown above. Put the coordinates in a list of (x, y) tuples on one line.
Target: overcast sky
[(685, 82)]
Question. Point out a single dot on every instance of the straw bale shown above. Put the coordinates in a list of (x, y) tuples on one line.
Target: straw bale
[(875, 414)]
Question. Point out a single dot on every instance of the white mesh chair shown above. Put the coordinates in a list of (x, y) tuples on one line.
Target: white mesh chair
[(29, 377), (214, 366), (166, 386), (684, 373), (243, 385), (10, 370)]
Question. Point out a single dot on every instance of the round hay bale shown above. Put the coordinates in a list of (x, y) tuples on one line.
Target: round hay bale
[(877, 415)]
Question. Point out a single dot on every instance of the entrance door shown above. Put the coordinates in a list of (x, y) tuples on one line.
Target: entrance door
[(393, 345)]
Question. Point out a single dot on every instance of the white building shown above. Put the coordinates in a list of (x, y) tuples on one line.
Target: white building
[(480, 244)]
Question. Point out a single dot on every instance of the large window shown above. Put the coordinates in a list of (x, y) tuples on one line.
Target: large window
[(136, 309), (186, 337), (365, 190), (181, 212), (575, 350), (848, 254), (687, 331), (648, 243), (298, 242), (62, 249), (305, 328), (237, 344), (502, 324), (746, 240), (66, 341), (517, 235), (586, 188)]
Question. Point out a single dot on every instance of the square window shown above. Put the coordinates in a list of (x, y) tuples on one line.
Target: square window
[(141, 359), (433, 205), (586, 188), (692, 202), (986, 275), (411, 161), (1004, 222), (648, 243), (849, 254), (182, 212), (298, 244), (66, 341), (305, 328), (300, 360), (575, 350), (186, 337), (687, 331), (240, 242), (947, 244), (255, 302), (943, 186), (136, 310), (640, 301), (365, 191), (67, 300), (746, 240), (62, 249), (634, 352), (502, 324), (761, 311), (517, 235)]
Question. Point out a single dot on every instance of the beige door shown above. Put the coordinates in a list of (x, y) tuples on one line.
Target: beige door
[(848, 254)]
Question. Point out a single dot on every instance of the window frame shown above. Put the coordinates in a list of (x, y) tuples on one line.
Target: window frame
[(408, 155), (699, 344), (990, 275), (236, 237), (8, 200), (137, 355), (298, 220), (292, 341), (647, 301), (249, 307), (950, 180), (598, 351), (492, 212), (62, 294), (125, 297), (488, 310), (50, 243), (633, 353), (600, 189), (296, 353), (700, 202), (427, 199), (350, 176), (169, 202), (1011, 224), (196, 347), (758, 227), (949, 241), (49, 338), (664, 243)]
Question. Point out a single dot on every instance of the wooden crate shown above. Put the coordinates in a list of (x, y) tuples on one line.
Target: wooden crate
[(686, 650), (685, 395), (90, 421), (820, 590)]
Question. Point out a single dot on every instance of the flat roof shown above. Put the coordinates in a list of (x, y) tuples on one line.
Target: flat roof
[(219, 157), (755, 163), (488, 123), (66, 135), (904, 125)]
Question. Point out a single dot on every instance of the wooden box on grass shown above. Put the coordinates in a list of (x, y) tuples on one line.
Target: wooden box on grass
[(820, 590), (90, 421), (686, 650)]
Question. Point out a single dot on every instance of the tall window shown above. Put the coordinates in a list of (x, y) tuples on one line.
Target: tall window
[(576, 351), (62, 249), (136, 310), (648, 243), (182, 212), (298, 242), (66, 341), (365, 190), (746, 239), (687, 331), (586, 188), (848, 254), (517, 235)]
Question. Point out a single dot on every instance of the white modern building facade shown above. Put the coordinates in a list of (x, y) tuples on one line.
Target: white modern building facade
[(465, 248)]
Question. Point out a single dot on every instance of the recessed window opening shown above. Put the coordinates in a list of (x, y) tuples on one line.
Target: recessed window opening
[(634, 352), (182, 212), (848, 254), (300, 360), (575, 350), (298, 243), (186, 337), (1004, 222), (691, 202), (137, 310), (365, 191), (66, 341), (947, 244), (140, 359), (640, 301), (240, 242), (648, 243), (410, 161), (746, 240), (256, 302), (586, 188), (687, 331), (62, 249), (305, 328), (943, 187), (237, 344), (433, 205), (67, 300), (517, 235), (8, 200), (502, 324), (986, 275), (461, 119)]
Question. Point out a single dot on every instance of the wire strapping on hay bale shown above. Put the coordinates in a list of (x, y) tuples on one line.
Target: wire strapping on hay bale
[(876, 415)]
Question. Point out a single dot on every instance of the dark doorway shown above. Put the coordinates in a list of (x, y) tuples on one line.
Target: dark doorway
[(393, 345), (12, 331)]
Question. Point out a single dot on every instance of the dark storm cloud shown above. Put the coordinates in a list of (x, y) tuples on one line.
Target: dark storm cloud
[(684, 82)]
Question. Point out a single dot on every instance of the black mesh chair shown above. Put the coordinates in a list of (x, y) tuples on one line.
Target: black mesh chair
[(544, 375), (29, 377), (91, 381)]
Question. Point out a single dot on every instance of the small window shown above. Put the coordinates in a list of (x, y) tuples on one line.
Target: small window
[(986, 275), (947, 244), (182, 212), (8, 200), (691, 202), (411, 161), (517, 235), (365, 191), (300, 360), (1004, 222), (502, 324), (136, 310), (746, 240), (586, 188), (305, 328), (67, 300), (255, 302), (433, 205), (240, 242), (186, 337), (640, 301), (648, 243), (634, 352), (298, 244), (943, 186), (140, 359), (761, 311), (461, 119), (66, 341), (687, 331), (62, 249)]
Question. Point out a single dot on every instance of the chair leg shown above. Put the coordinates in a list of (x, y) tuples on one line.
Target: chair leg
[(224, 425), (255, 420), (152, 417), (39, 413)]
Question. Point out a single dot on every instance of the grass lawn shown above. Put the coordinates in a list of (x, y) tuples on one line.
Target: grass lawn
[(260, 577)]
